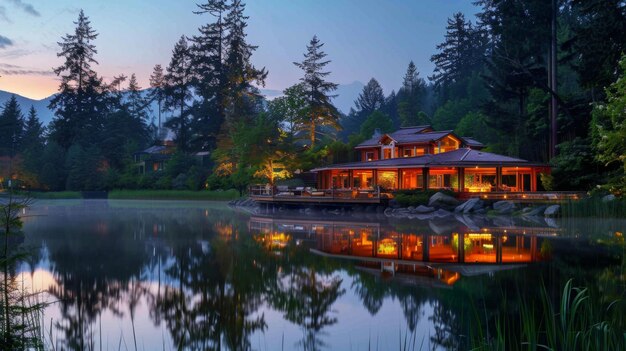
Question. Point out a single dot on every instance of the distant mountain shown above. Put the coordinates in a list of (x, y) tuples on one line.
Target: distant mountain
[(41, 106), (346, 94)]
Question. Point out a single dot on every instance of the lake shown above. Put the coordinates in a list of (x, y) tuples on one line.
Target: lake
[(169, 275)]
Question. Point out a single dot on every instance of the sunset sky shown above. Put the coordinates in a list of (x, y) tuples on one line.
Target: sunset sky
[(363, 38)]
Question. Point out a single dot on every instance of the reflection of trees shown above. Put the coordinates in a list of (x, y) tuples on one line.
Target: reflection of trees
[(306, 297), (371, 291), (217, 291)]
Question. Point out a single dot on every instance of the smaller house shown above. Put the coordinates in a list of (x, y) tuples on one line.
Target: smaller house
[(153, 159)]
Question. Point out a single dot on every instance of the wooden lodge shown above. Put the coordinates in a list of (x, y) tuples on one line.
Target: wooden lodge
[(417, 158)]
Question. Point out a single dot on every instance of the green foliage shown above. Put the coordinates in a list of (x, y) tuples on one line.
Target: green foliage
[(595, 206), (11, 127), (575, 166), (449, 115), (376, 120), (608, 130)]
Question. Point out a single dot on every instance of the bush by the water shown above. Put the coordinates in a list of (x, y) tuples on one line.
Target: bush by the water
[(603, 206), (417, 197)]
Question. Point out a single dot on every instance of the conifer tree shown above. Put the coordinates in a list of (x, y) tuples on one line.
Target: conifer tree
[(321, 111), (80, 105), (411, 98), (33, 143), (178, 93), (459, 55), (208, 50), (11, 127), (138, 105), (371, 98), (157, 84)]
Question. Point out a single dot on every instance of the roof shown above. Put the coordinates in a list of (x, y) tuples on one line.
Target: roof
[(472, 142), (458, 158), (400, 133), (156, 149), (419, 135)]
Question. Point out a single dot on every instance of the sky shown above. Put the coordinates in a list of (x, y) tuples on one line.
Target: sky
[(363, 38)]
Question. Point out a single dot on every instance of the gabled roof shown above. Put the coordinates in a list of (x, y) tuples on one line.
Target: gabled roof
[(462, 157), (471, 142), (412, 135)]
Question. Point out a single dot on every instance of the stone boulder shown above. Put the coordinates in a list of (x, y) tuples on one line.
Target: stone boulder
[(423, 209), (504, 207), (533, 211), (441, 200), (552, 211), (472, 205)]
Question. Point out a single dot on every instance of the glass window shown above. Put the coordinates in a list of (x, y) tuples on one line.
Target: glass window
[(369, 156), (408, 152)]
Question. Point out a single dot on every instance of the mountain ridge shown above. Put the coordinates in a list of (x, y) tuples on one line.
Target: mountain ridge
[(346, 94)]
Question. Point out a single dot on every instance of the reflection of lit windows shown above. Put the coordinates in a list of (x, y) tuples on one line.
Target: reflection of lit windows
[(387, 247)]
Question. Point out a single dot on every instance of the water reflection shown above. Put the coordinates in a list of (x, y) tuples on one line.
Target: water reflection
[(200, 276)]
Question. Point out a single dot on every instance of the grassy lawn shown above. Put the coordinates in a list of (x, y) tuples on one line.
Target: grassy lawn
[(173, 195)]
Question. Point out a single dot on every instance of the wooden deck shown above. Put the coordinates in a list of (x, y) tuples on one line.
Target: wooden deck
[(302, 195)]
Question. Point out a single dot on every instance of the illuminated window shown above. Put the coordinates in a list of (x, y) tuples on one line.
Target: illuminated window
[(369, 156), (408, 153)]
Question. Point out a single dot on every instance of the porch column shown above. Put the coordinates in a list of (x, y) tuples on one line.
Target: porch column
[(425, 178), (498, 249), (498, 178), (426, 248), (461, 175), (533, 179), (399, 184), (374, 178), (461, 248), (350, 180)]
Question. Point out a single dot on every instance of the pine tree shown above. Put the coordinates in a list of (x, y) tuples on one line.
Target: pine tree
[(321, 110), (80, 105), (371, 98), (157, 84), (138, 105), (33, 143), (411, 98), (208, 51), (459, 55), (178, 93), (11, 128)]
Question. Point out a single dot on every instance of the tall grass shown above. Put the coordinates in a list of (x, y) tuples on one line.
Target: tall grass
[(173, 195), (595, 206), (574, 323)]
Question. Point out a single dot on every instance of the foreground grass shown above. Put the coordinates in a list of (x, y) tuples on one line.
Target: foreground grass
[(173, 195)]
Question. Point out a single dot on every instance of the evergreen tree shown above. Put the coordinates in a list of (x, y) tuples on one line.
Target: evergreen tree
[(459, 55), (598, 42), (138, 105), (411, 98), (33, 143), (390, 108), (80, 104), (371, 98), (290, 109), (157, 84), (376, 120), (243, 101), (178, 93), (368, 101), (11, 128), (208, 51), (321, 111)]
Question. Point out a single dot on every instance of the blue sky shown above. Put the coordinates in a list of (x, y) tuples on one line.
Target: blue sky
[(363, 38)]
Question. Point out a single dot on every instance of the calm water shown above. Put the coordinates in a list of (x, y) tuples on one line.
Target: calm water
[(126, 275)]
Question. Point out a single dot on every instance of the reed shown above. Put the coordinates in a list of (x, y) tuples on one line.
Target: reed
[(595, 206)]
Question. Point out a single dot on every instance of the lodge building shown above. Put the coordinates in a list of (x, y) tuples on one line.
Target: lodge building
[(421, 158)]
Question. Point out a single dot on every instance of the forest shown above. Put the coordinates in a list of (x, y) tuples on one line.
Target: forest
[(491, 82)]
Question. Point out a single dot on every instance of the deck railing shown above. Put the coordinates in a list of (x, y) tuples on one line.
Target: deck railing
[(263, 191)]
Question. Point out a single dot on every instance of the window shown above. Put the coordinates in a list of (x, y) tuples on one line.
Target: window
[(408, 153), (386, 154), (369, 156)]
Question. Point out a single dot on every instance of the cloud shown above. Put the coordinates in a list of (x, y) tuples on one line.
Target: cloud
[(13, 70), (3, 14), (5, 42), (28, 8)]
